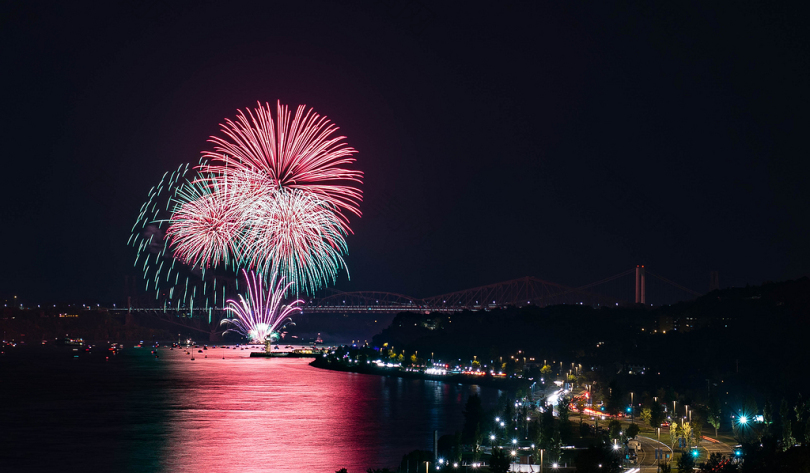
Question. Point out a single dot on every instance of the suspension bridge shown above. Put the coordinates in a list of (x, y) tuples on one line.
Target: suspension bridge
[(634, 286)]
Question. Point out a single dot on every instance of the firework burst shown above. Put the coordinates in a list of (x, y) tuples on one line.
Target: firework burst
[(269, 198), (291, 151), (259, 316), (205, 226), (296, 234)]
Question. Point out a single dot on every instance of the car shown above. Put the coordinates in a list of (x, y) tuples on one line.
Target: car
[(634, 445)]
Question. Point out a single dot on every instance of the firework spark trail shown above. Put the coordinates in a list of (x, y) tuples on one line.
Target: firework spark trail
[(157, 259), (299, 153), (260, 315)]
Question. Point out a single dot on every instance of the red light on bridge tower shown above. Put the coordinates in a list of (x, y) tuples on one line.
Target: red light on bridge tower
[(641, 290)]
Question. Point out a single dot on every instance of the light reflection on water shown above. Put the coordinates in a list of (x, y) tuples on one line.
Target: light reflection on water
[(236, 414)]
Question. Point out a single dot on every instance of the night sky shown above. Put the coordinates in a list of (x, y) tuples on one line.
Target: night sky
[(566, 142)]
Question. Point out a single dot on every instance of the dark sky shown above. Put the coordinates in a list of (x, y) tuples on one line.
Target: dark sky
[(567, 142)]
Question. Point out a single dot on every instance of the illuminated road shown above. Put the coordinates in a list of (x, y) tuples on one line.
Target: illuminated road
[(646, 458), (715, 446)]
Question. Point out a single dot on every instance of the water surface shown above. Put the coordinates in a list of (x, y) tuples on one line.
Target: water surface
[(136, 412)]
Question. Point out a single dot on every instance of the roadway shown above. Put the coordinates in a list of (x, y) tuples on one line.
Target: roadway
[(646, 458), (715, 446)]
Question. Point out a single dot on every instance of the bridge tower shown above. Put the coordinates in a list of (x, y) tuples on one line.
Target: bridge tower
[(641, 289), (714, 280)]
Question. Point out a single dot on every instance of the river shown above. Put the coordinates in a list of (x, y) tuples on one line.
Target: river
[(136, 412)]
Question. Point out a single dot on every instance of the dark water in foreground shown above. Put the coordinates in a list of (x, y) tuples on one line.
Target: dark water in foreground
[(138, 413)]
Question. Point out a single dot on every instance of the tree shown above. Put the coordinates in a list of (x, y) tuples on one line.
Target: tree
[(564, 408), (414, 458), (807, 433), (458, 449), (632, 430), (555, 445), (714, 421), (536, 432), (614, 427), (342, 470), (646, 415), (473, 417), (686, 462), (787, 430), (584, 429), (614, 398), (673, 433), (499, 461), (767, 418), (478, 439), (801, 409), (697, 425), (686, 433), (509, 415), (656, 415)]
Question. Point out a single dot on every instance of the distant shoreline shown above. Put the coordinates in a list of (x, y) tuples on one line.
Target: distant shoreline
[(487, 381)]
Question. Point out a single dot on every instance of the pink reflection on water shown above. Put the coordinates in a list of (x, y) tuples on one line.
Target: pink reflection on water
[(281, 415)]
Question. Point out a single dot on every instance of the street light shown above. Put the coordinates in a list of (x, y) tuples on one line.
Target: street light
[(632, 409)]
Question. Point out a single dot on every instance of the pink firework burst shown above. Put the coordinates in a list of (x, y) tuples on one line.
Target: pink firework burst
[(205, 226), (259, 315), (292, 151), (295, 234)]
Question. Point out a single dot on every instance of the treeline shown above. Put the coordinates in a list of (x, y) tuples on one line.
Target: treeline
[(738, 339)]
